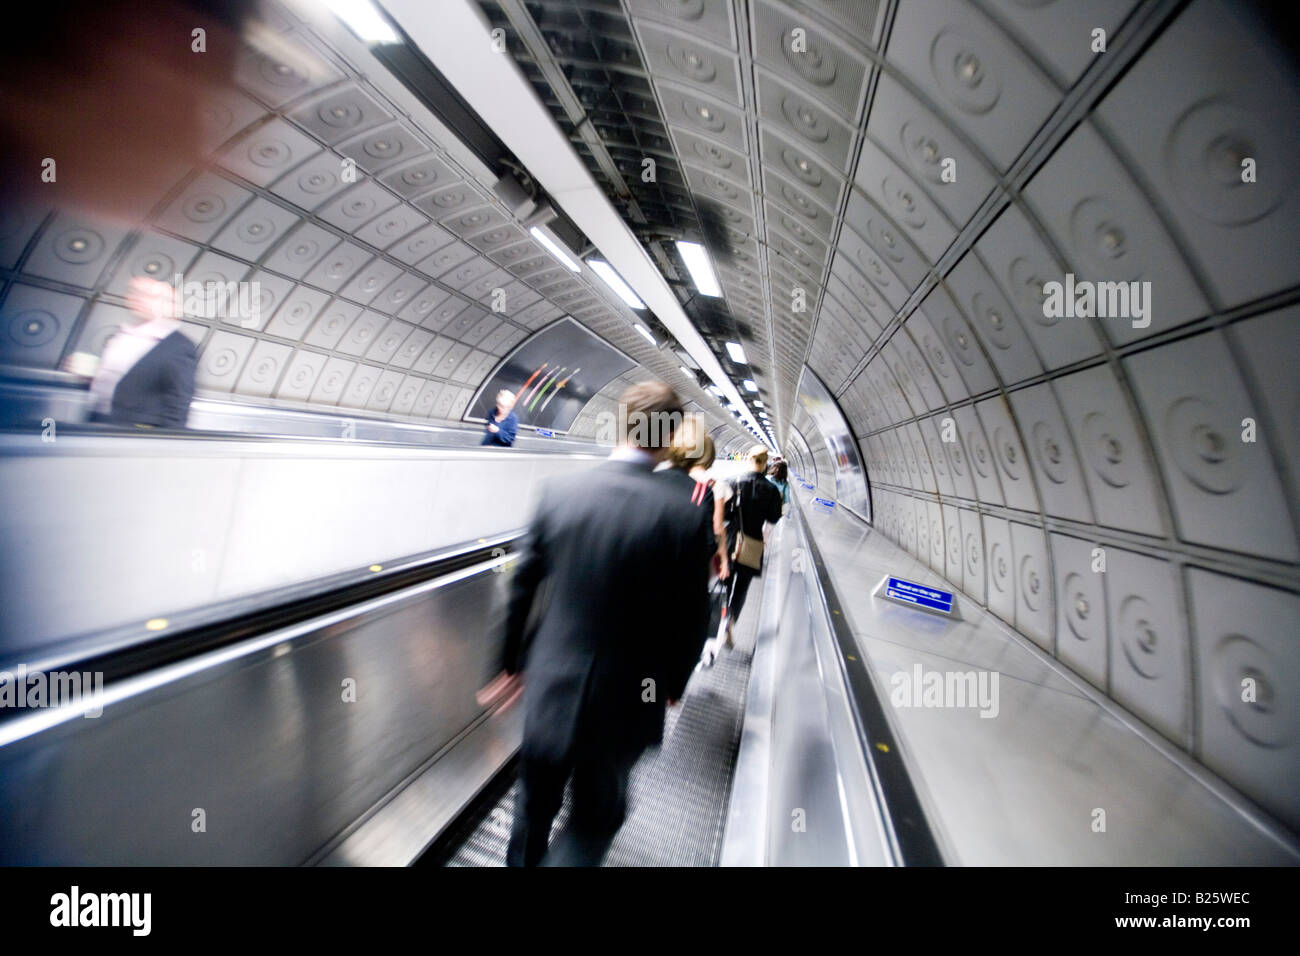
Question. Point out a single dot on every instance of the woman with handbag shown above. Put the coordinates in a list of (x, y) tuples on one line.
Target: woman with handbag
[(754, 502)]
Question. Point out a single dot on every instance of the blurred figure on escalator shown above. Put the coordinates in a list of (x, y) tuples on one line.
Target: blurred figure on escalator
[(146, 373), (754, 503), (623, 559), (502, 425), (690, 456)]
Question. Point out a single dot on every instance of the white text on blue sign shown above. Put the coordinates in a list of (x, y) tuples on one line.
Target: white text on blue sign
[(919, 594)]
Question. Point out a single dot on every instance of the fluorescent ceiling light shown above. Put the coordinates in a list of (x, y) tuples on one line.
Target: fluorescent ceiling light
[(757, 403), (646, 334), (554, 249), (715, 389), (697, 263), (363, 19), (736, 352), (615, 282), (687, 372), (750, 386)]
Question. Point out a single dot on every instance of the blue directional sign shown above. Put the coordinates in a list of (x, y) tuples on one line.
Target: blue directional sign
[(823, 501), (807, 486), (546, 433), (921, 595)]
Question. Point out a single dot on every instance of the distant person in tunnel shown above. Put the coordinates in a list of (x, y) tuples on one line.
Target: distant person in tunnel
[(616, 548), (502, 425), (755, 502), (145, 375), (779, 476)]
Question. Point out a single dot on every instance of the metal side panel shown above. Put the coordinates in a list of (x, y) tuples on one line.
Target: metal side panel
[(418, 813), (262, 753), (224, 519), (802, 794)]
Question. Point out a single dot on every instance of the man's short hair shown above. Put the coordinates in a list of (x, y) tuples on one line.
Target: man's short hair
[(758, 455), (651, 413)]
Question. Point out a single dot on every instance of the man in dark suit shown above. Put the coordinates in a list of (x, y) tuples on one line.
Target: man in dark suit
[(626, 559), (146, 374)]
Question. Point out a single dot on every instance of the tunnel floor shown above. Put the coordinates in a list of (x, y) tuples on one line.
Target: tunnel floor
[(678, 793)]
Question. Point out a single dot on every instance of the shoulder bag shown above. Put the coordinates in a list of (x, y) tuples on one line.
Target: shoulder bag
[(747, 551)]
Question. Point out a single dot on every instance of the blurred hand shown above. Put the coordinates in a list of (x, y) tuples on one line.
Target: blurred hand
[(81, 363), (492, 428), (119, 144), (504, 689), (725, 571)]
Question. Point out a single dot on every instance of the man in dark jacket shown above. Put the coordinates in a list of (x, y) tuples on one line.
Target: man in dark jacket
[(503, 424), (146, 373), (626, 559)]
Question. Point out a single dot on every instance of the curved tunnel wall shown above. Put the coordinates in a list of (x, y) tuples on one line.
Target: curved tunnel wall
[(819, 454), (842, 453), (930, 165), (800, 458), (1120, 489), (377, 282)]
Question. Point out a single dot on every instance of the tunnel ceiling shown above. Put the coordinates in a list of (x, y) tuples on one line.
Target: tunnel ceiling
[(376, 295), (753, 145), (1122, 491)]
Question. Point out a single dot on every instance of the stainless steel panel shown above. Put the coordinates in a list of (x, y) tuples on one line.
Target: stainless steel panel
[(260, 737)]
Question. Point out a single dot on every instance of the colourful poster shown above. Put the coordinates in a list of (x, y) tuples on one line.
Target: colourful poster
[(553, 374)]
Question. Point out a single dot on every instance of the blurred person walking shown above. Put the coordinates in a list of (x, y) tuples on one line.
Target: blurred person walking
[(690, 456), (145, 375), (624, 559), (502, 425), (779, 475), (755, 502)]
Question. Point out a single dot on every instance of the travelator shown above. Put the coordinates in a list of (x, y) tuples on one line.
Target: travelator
[(291, 631), (281, 674)]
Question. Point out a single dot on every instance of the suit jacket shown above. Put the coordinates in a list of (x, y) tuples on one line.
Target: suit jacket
[(158, 389), (625, 560)]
